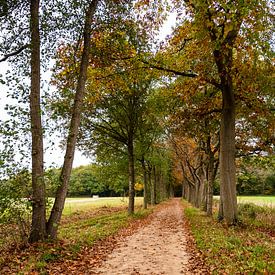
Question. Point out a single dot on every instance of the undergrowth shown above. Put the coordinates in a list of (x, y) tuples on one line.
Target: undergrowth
[(244, 249)]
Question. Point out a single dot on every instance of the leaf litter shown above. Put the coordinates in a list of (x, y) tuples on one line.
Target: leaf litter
[(161, 243)]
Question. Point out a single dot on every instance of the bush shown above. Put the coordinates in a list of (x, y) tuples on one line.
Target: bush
[(14, 205), (252, 214), (248, 210), (16, 212)]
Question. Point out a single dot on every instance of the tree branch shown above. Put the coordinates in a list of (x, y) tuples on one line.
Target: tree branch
[(14, 53), (185, 40), (175, 72)]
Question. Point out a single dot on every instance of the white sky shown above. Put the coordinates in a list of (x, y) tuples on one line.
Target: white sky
[(56, 156)]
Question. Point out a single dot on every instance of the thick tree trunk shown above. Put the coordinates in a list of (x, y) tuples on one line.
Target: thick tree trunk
[(38, 226), (223, 58), (145, 179), (61, 193), (131, 165), (227, 158)]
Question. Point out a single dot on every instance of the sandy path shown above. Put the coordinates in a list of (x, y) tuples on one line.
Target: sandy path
[(157, 248)]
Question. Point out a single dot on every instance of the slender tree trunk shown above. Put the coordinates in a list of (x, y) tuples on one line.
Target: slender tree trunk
[(193, 195), (171, 191), (187, 192), (202, 192), (61, 193), (38, 226), (145, 179), (210, 178), (153, 188), (210, 182), (131, 164), (197, 194), (162, 184)]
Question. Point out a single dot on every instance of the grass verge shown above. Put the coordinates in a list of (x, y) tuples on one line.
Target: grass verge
[(243, 249)]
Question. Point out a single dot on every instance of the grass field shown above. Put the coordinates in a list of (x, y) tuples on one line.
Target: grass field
[(259, 200), (73, 205)]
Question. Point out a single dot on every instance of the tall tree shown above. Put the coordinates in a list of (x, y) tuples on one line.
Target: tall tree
[(38, 228), (115, 102), (56, 212), (222, 21), (117, 118)]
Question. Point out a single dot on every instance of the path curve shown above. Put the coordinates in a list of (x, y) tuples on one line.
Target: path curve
[(157, 248)]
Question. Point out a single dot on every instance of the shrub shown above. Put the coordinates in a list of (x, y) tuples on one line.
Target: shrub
[(250, 213)]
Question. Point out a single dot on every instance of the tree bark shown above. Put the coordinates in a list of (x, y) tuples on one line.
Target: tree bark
[(211, 174), (149, 182), (153, 187), (228, 212), (38, 226), (227, 157), (131, 165), (183, 192), (187, 192), (61, 193), (145, 179), (210, 182)]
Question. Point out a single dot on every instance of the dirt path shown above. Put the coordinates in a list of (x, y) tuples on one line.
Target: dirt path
[(157, 248)]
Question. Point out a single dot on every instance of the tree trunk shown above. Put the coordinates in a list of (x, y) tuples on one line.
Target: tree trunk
[(223, 58), (227, 158), (149, 182), (183, 194), (197, 193), (61, 193), (131, 165), (211, 174), (202, 193), (162, 185), (153, 188), (187, 192), (38, 226), (145, 179), (210, 183)]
